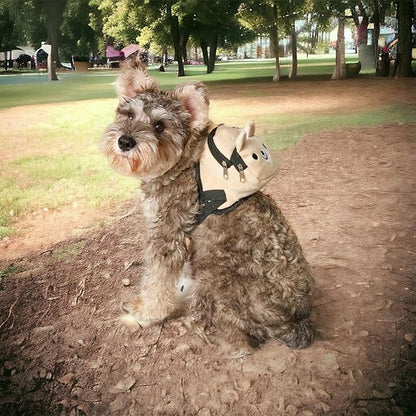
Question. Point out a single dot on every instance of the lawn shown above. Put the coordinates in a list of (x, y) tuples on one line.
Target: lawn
[(50, 158), (34, 88)]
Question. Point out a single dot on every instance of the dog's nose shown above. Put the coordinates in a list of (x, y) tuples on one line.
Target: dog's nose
[(126, 143)]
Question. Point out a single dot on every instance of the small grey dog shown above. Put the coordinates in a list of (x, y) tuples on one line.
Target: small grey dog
[(248, 278)]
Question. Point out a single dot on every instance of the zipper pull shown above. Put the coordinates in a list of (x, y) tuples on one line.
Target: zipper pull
[(241, 170), (224, 169)]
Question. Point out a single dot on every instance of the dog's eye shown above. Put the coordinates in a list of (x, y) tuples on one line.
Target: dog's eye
[(159, 127), (130, 116)]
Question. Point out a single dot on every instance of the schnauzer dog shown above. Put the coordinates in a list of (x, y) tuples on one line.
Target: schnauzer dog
[(244, 271)]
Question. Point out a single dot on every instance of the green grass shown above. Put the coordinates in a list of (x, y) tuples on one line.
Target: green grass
[(80, 176), (18, 89), (9, 271), (53, 161), (281, 132), (45, 183), (63, 168), (69, 251), (26, 89)]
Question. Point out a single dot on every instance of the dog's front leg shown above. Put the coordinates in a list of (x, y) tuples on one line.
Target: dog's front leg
[(164, 265)]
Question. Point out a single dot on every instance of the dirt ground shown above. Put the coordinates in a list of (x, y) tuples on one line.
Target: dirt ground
[(350, 195)]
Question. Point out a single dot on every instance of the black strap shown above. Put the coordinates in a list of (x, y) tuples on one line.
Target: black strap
[(209, 201), (236, 160)]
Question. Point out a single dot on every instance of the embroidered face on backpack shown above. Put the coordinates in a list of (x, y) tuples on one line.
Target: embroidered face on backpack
[(234, 165)]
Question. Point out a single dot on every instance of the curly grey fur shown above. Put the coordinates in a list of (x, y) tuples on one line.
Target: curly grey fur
[(251, 281)]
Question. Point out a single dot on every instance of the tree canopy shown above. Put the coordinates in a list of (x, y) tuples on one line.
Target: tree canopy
[(81, 27)]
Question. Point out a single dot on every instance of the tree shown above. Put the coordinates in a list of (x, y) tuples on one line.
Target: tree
[(340, 67), (54, 11), (274, 36), (364, 11), (7, 32), (215, 25), (361, 20), (263, 18), (172, 21), (405, 13), (15, 24), (119, 22), (175, 32), (160, 22), (273, 17), (156, 21), (77, 36), (335, 8), (291, 10)]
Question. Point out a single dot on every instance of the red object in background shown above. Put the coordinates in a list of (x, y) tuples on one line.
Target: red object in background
[(129, 49), (113, 53)]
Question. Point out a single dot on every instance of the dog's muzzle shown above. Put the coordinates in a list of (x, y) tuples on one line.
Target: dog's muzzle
[(126, 143)]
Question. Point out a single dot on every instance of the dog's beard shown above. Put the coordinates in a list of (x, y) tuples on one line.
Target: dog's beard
[(150, 157)]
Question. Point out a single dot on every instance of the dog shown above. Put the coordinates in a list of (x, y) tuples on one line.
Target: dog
[(245, 275)]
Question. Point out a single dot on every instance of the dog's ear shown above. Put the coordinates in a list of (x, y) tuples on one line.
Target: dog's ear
[(194, 96), (133, 78)]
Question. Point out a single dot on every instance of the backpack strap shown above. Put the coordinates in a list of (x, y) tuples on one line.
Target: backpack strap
[(211, 200), (235, 160)]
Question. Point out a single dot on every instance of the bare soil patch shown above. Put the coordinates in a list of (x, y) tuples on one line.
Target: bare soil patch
[(351, 197), (300, 97)]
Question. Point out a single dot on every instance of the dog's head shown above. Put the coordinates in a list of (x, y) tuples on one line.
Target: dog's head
[(152, 127)]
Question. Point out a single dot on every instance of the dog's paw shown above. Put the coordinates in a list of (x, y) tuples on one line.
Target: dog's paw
[(136, 321), (135, 316), (236, 353)]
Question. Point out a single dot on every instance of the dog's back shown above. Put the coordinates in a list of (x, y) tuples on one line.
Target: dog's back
[(252, 281)]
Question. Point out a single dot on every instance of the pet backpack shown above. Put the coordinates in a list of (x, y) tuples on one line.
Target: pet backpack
[(234, 165)]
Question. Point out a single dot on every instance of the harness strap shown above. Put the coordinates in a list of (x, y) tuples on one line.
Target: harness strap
[(209, 201), (236, 160)]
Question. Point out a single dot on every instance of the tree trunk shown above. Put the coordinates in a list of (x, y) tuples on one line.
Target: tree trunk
[(294, 70), (274, 34), (6, 40), (276, 76), (212, 54), (204, 48), (184, 41), (54, 10), (176, 40), (165, 55), (404, 52), (186, 33), (376, 34), (184, 53), (5, 60), (339, 70), (314, 39)]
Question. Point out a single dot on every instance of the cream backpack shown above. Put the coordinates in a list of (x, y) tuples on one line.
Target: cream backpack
[(234, 165)]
